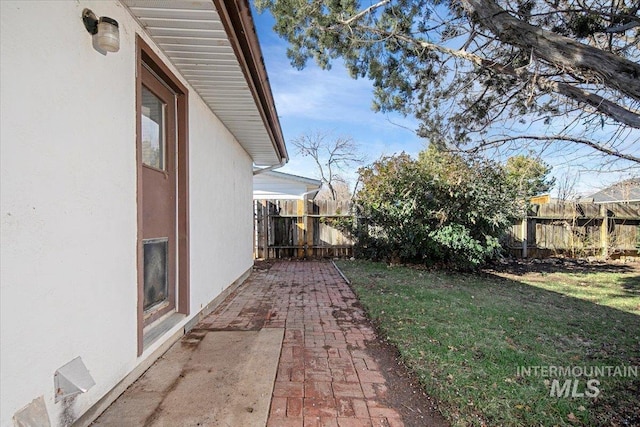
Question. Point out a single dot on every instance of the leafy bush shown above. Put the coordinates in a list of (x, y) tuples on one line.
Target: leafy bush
[(440, 209)]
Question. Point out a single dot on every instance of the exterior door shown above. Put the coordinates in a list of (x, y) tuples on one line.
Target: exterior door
[(158, 175)]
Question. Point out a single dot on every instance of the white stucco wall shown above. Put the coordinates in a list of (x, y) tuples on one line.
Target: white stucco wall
[(68, 203), (220, 203)]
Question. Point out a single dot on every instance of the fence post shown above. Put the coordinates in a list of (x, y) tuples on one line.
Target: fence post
[(525, 234), (265, 228), (302, 226), (604, 231), (256, 230), (308, 221)]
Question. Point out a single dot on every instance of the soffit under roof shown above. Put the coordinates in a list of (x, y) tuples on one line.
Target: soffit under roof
[(193, 37)]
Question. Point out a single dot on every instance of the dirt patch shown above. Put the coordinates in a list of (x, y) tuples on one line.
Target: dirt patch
[(405, 393), (193, 338), (519, 267), (263, 264)]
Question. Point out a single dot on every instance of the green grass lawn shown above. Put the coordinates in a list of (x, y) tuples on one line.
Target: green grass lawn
[(466, 335)]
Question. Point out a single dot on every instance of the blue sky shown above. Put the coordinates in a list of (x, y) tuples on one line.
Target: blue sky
[(312, 99)]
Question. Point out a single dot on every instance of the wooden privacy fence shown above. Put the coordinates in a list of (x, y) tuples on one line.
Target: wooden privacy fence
[(577, 230), (299, 229), (303, 228)]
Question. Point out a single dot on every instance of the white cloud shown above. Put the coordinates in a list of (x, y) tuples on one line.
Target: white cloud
[(317, 94)]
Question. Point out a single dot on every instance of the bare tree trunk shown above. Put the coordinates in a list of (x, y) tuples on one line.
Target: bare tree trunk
[(332, 190), (567, 187), (614, 71)]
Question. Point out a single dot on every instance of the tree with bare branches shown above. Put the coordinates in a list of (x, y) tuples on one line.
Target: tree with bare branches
[(567, 186), (341, 190), (484, 73), (331, 156)]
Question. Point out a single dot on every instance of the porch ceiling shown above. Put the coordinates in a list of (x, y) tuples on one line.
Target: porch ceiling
[(225, 69)]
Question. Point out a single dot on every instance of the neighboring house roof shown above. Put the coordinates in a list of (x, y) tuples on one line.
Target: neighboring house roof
[(215, 47), (623, 191), (280, 185)]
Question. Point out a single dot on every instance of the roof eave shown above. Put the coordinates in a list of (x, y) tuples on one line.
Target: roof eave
[(235, 16), (294, 178)]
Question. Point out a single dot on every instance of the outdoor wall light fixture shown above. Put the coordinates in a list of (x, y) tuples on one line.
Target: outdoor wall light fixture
[(106, 35)]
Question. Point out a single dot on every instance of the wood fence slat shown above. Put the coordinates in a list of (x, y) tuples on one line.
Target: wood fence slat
[(580, 229), (282, 230)]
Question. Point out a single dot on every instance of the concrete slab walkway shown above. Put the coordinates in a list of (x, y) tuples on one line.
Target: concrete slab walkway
[(325, 376)]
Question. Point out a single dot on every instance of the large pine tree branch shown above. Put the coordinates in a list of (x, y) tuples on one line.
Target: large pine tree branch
[(615, 72), (592, 144), (366, 11), (610, 109), (600, 104)]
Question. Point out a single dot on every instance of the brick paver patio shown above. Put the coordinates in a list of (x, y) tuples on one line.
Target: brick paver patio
[(325, 375)]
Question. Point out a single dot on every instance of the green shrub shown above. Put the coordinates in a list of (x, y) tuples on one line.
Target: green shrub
[(440, 209)]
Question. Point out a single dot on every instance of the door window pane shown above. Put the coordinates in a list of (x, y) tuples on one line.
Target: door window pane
[(155, 271), (153, 138)]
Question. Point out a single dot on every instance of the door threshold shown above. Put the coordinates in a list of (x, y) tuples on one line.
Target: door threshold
[(160, 327)]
